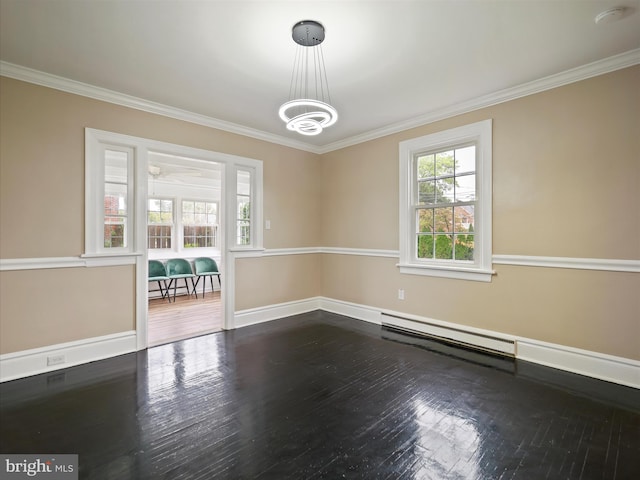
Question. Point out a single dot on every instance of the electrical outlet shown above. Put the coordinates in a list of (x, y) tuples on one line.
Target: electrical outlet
[(55, 360), (400, 294)]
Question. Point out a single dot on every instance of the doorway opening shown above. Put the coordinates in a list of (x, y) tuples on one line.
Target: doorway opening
[(184, 225)]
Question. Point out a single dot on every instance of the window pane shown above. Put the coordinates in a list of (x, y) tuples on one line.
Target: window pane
[(466, 160), (425, 246), (444, 250), (243, 233), (112, 204), (444, 163), (425, 220), (200, 236), (244, 208), (464, 218), (167, 205), (116, 165), (115, 234), (212, 208), (427, 191), (444, 220), (188, 218), (426, 166), (464, 247), (466, 188), (244, 183), (444, 190), (159, 236), (154, 205), (187, 206), (160, 211), (199, 207)]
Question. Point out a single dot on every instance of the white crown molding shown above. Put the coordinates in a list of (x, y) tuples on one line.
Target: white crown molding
[(37, 77), (600, 67)]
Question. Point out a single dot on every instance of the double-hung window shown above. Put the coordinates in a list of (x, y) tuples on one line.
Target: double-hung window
[(445, 203), (243, 208), (160, 221), (200, 224)]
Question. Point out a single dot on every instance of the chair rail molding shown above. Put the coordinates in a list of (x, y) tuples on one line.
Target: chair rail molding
[(601, 264), (82, 261)]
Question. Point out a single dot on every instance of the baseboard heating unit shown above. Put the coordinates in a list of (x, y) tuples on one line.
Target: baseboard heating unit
[(473, 339)]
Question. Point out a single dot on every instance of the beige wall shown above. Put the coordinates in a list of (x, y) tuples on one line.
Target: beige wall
[(47, 307), (278, 279), (42, 210), (597, 311), (566, 183)]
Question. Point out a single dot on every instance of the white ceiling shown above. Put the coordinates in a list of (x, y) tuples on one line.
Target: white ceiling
[(388, 62)]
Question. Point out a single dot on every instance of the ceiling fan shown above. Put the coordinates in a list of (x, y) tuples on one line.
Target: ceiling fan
[(172, 171)]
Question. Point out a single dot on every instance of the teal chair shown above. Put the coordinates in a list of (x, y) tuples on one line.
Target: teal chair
[(179, 268), (206, 267), (157, 273)]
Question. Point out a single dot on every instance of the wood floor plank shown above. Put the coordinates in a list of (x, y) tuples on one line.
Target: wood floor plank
[(187, 317), (320, 396)]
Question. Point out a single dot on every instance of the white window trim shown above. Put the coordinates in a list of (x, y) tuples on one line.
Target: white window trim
[(481, 269), (96, 143), (94, 177)]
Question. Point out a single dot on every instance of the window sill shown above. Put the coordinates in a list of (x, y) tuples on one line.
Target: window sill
[(446, 271)]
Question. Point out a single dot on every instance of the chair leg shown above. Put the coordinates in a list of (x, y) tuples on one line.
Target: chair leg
[(193, 285), (166, 291), (211, 280)]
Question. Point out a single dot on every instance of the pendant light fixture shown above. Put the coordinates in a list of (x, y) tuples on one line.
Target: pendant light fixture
[(308, 111)]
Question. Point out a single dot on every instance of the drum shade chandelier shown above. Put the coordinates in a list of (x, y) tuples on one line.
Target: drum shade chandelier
[(308, 110)]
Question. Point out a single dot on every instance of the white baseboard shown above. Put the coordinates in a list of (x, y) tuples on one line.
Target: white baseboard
[(623, 371), (32, 362), (253, 316), (610, 368), (353, 310)]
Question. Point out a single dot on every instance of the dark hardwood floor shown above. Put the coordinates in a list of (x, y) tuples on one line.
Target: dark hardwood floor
[(320, 396)]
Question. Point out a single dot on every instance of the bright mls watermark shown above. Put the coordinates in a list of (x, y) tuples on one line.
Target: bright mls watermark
[(49, 466)]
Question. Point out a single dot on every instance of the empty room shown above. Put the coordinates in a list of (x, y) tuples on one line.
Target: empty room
[(320, 240)]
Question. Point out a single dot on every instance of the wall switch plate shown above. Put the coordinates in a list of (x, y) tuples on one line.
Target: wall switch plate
[(400, 294), (267, 224)]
